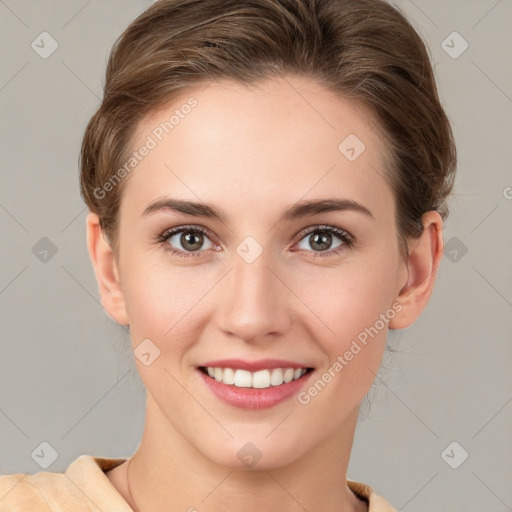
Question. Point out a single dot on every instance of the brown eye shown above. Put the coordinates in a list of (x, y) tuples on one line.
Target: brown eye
[(321, 239), (185, 240), (191, 241)]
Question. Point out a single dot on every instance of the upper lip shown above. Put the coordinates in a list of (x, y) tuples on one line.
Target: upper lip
[(253, 366)]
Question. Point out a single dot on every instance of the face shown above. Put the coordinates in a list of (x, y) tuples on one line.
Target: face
[(269, 278)]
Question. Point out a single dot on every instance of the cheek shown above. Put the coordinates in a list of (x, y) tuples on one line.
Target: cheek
[(160, 308), (349, 298), (166, 305), (356, 307), (352, 304), (158, 294)]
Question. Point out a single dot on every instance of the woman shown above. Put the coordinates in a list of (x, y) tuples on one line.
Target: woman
[(267, 184)]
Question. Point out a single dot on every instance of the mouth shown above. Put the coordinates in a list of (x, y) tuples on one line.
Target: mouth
[(261, 379)]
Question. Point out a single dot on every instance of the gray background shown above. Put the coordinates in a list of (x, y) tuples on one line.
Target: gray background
[(66, 374)]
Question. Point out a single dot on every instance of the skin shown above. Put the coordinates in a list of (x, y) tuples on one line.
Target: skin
[(254, 152)]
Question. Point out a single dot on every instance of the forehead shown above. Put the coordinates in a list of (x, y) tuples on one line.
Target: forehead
[(278, 141)]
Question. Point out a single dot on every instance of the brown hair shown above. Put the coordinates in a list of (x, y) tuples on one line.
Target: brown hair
[(364, 50)]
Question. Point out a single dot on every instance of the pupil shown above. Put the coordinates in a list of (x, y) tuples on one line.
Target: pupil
[(191, 239), (325, 239)]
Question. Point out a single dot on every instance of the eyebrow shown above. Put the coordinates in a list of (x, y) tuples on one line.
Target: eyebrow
[(299, 210)]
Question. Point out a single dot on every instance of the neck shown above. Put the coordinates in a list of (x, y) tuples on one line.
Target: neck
[(168, 472)]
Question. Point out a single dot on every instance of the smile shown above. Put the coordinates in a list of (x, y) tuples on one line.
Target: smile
[(260, 389), (261, 379)]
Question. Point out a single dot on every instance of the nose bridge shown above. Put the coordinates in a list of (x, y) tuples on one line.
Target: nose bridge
[(252, 301)]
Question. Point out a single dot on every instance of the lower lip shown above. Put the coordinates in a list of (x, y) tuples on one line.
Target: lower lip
[(255, 398)]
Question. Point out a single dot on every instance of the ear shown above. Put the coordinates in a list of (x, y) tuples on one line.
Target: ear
[(425, 255), (106, 270)]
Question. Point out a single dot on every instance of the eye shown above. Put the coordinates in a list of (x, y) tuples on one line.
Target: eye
[(320, 238), (186, 241)]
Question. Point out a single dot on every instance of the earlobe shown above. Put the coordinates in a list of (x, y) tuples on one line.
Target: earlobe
[(422, 264), (106, 271)]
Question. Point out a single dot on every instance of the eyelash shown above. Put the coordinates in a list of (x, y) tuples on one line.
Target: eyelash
[(347, 239)]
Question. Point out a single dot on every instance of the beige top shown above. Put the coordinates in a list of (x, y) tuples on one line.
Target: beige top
[(85, 484)]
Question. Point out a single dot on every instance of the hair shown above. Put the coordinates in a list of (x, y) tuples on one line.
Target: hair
[(363, 50)]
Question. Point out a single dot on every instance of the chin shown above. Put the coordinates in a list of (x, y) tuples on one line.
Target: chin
[(259, 454)]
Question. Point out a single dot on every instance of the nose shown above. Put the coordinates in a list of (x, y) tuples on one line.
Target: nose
[(254, 301)]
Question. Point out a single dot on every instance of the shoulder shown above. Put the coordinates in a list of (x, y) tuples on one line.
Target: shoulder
[(22, 491), (375, 502), (82, 487), (16, 492)]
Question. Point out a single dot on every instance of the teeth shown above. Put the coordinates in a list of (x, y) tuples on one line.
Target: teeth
[(228, 376), (260, 379), (243, 379)]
